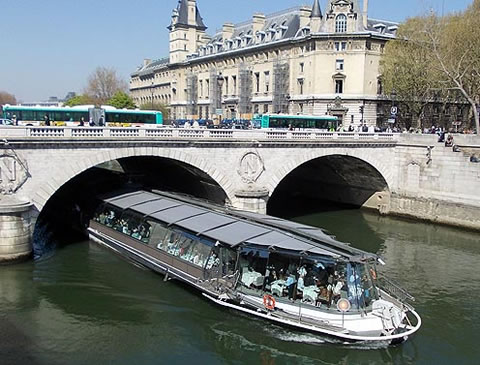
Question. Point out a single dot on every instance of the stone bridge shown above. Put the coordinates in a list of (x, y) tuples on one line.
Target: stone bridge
[(411, 175)]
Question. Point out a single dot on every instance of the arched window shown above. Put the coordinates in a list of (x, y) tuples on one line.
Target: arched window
[(341, 24)]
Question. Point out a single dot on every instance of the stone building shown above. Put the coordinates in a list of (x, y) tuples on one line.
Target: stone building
[(300, 60)]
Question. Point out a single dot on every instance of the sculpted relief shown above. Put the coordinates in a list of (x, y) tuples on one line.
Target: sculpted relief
[(13, 172), (251, 167)]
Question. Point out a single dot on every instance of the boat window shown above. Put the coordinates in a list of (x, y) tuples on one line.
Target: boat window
[(108, 215), (132, 224), (252, 266), (186, 246), (157, 234), (361, 290), (282, 275)]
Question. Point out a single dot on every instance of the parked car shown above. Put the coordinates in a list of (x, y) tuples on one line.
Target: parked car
[(6, 122)]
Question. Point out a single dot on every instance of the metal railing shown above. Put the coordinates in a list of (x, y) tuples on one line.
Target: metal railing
[(394, 290)]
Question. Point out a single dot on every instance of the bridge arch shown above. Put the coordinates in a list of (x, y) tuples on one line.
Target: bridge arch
[(357, 177), (74, 168)]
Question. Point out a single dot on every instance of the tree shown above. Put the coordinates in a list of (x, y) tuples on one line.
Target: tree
[(103, 83), (157, 106), (407, 69), (6, 98), (436, 56), (456, 49), (78, 100), (121, 100)]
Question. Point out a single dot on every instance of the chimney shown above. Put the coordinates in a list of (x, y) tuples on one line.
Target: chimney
[(192, 12), (258, 22), (365, 14), (227, 31), (305, 12)]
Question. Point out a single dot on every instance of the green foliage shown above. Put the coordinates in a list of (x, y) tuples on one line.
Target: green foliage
[(157, 106), (121, 100), (435, 58), (78, 100)]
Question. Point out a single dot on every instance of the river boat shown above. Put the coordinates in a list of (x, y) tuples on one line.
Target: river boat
[(285, 272)]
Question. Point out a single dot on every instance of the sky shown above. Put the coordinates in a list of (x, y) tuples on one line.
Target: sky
[(50, 47)]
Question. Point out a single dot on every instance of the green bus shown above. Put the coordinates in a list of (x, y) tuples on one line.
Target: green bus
[(72, 116), (325, 122)]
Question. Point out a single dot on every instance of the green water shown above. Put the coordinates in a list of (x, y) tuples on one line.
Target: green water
[(82, 304)]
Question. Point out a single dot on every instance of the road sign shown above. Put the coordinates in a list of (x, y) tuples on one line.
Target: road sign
[(394, 110)]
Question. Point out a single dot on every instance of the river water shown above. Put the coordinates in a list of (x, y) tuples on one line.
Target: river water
[(82, 304)]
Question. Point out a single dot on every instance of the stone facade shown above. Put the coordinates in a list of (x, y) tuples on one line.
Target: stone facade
[(298, 61)]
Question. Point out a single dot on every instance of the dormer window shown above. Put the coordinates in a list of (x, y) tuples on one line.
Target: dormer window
[(260, 37), (341, 23), (380, 27)]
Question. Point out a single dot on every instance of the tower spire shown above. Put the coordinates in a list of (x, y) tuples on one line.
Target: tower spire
[(316, 11)]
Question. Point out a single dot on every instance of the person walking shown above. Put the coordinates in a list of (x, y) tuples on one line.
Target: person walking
[(46, 118)]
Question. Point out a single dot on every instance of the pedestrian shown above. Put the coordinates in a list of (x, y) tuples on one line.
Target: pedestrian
[(82, 122), (14, 120), (46, 119), (91, 123)]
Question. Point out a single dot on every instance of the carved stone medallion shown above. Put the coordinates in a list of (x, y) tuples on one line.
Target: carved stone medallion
[(251, 167), (13, 172)]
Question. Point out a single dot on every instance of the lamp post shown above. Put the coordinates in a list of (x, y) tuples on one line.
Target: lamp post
[(393, 109), (220, 81), (152, 94)]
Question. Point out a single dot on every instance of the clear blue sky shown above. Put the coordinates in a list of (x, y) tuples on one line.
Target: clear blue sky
[(49, 47)]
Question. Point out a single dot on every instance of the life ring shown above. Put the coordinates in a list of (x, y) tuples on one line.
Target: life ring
[(269, 302), (374, 274)]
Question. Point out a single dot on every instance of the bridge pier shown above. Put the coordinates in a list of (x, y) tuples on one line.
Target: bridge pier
[(252, 200), (15, 230)]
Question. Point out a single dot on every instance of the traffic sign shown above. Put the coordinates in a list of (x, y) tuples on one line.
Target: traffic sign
[(394, 110)]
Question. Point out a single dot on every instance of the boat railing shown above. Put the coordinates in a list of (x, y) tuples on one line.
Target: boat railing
[(394, 290)]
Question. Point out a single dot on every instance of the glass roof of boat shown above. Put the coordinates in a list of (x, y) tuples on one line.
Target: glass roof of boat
[(235, 228)]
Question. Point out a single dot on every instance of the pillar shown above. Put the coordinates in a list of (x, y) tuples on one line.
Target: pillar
[(252, 200), (15, 229)]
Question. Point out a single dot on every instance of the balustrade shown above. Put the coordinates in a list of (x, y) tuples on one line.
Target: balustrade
[(173, 133)]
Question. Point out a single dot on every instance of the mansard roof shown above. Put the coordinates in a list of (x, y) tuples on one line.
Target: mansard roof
[(287, 20), (382, 27), (151, 67), (182, 10)]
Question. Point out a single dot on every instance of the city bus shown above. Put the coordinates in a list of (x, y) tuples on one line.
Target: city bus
[(72, 116), (325, 122)]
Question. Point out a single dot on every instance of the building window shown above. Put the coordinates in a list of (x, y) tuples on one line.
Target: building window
[(340, 46), (300, 107), (255, 108), (302, 67), (257, 82), (267, 81), (339, 64), (300, 86), (200, 86), (207, 82), (265, 108), (234, 82), (338, 86), (341, 24), (379, 86)]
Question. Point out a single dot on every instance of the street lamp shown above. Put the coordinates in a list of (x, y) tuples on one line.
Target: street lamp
[(220, 81), (152, 95)]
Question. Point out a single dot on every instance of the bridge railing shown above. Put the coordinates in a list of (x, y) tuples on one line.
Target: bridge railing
[(180, 133)]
